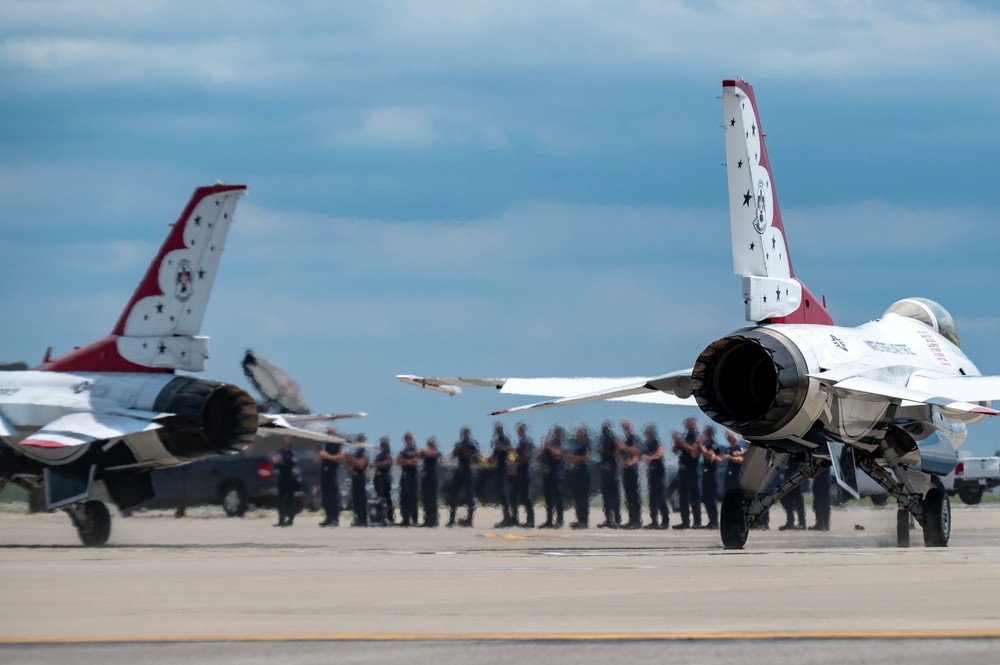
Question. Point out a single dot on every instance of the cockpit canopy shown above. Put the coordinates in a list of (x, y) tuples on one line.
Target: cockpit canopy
[(929, 313)]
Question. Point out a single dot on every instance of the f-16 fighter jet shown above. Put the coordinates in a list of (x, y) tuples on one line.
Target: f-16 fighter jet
[(114, 409), (893, 396)]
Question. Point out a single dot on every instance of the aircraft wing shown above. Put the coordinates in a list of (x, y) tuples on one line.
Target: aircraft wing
[(294, 418), (673, 389), (930, 394), (270, 424)]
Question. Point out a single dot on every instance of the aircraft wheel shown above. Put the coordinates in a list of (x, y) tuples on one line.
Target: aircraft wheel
[(902, 528), (733, 523), (234, 499), (93, 523), (970, 496), (937, 518)]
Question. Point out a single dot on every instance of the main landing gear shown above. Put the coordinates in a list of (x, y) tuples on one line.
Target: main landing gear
[(92, 521)]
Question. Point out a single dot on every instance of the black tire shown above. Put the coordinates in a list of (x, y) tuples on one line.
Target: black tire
[(970, 496), (902, 528), (734, 526), (94, 524), (937, 518), (879, 500), (233, 499)]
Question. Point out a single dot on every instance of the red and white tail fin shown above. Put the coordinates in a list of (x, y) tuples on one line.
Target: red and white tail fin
[(158, 330), (760, 249)]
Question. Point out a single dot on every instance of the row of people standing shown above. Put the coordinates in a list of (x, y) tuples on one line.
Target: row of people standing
[(619, 459)]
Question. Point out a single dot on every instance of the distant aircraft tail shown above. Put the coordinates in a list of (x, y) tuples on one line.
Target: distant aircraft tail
[(760, 250), (158, 330)]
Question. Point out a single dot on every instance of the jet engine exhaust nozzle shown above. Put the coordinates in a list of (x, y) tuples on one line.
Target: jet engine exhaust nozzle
[(753, 382), (209, 418)]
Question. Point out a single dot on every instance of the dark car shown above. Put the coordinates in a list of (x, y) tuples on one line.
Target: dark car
[(236, 482)]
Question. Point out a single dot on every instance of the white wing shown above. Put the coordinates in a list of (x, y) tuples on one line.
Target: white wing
[(671, 389)]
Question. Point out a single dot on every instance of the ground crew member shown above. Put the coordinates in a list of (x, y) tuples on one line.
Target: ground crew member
[(821, 498), (408, 461), (656, 478), (734, 462), (285, 462), (359, 481), (579, 462), (630, 474), (608, 450), (383, 478), (330, 456), (429, 482), (551, 456), (502, 449), (521, 474), (465, 453), (688, 449), (793, 502), (711, 454)]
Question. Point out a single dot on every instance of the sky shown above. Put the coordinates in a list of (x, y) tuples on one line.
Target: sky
[(491, 189)]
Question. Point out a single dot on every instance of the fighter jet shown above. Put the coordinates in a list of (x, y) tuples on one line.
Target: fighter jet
[(893, 396), (114, 409)]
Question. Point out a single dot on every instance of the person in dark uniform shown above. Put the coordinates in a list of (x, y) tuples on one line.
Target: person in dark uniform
[(358, 463), (502, 450), (551, 456), (383, 478), (734, 462), (630, 456), (688, 449), (793, 502), (330, 456), (711, 454), (608, 448), (521, 475), (285, 462), (656, 478), (821, 497), (579, 464), (429, 482), (465, 453), (408, 461)]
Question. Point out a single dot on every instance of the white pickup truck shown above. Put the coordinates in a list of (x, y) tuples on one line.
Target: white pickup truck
[(972, 477)]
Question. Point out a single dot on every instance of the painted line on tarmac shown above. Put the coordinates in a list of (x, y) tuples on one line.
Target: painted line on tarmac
[(516, 637)]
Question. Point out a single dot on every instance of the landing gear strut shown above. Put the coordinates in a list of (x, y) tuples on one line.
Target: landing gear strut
[(92, 521), (932, 511)]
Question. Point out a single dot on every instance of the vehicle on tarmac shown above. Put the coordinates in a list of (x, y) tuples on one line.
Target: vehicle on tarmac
[(972, 477)]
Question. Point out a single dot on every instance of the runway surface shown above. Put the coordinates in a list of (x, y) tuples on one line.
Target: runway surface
[(233, 590)]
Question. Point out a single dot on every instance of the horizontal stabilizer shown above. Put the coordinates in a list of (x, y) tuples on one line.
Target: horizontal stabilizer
[(269, 424), (866, 386)]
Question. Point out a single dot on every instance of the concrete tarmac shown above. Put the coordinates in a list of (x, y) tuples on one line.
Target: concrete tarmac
[(163, 583)]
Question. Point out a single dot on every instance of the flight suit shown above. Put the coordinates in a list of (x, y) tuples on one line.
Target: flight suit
[(408, 490), (656, 478), (630, 483), (522, 483), (709, 484), (429, 489), (581, 483), (286, 487), (607, 450), (501, 449), (464, 452), (359, 492), (329, 484), (552, 467), (383, 483), (687, 482)]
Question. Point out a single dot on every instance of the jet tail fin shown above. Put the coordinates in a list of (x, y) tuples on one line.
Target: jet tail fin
[(771, 291), (158, 329)]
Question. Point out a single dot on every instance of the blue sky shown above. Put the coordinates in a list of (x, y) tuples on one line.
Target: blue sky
[(491, 189)]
